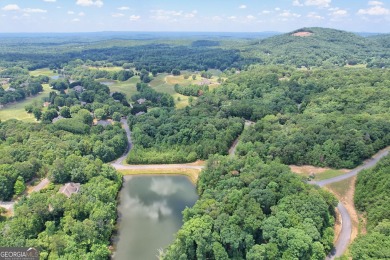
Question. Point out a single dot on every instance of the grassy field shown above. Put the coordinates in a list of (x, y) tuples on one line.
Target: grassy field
[(160, 84), (43, 72), (319, 173), (328, 174), (17, 111), (192, 174), (128, 87), (115, 68)]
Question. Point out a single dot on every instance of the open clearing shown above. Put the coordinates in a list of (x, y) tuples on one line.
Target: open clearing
[(172, 80), (43, 72), (165, 83), (318, 172), (128, 87), (111, 69), (302, 34), (16, 110)]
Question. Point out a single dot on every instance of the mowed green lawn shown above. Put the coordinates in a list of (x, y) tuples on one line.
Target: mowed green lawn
[(111, 69), (165, 83), (160, 84), (17, 111), (128, 87), (43, 72)]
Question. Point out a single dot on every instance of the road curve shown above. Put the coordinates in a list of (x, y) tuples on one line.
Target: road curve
[(118, 164), (367, 164), (346, 223)]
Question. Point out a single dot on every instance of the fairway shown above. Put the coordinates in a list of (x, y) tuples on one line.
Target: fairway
[(160, 84), (43, 72), (127, 87), (17, 111), (111, 69)]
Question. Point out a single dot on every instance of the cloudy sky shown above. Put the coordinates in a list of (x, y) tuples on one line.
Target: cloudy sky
[(185, 15)]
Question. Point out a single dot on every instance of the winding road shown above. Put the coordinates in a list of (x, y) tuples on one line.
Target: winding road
[(346, 223), (118, 164)]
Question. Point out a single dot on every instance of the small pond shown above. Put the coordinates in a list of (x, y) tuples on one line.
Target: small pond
[(150, 214)]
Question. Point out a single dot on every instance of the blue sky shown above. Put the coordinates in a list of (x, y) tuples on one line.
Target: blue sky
[(185, 15)]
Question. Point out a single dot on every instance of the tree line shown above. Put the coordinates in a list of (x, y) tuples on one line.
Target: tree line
[(252, 210)]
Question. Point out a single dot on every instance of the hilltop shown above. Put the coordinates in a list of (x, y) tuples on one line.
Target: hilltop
[(315, 46)]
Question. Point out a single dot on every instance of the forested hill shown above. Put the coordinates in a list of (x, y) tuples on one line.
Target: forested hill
[(323, 47)]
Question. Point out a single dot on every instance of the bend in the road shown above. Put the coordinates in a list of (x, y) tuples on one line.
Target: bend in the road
[(346, 223)]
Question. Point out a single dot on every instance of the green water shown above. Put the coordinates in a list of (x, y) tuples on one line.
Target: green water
[(150, 214)]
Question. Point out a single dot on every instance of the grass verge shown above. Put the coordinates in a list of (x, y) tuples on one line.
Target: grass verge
[(192, 174)]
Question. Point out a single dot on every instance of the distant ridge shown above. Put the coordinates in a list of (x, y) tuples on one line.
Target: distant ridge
[(323, 46)]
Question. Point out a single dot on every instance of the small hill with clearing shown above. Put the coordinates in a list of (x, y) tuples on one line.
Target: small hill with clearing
[(308, 47)]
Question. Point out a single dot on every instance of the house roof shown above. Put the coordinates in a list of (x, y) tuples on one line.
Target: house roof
[(141, 101), (70, 188)]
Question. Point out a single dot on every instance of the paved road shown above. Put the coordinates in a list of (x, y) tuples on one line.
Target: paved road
[(120, 160), (232, 150), (346, 223), (367, 164), (118, 164), (41, 185), (9, 205), (346, 227)]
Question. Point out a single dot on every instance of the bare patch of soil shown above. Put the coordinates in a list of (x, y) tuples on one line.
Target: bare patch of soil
[(302, 34), (347, 199), (309, 169), (337, 226)]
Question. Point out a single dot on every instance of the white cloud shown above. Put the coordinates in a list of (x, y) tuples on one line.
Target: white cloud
[(287, 13), (11, 8), (232, 17), (117, 15), (375, 10), (123, 8), (242, 6), (250, 17), (277, 9), (217, 18), (297, 3), (70, 12), (81, 14), (50, 1), (34, 10), (339, 13), (171, 14), (313, 15), (319, 3), (76, 20), (97, 3), (191, 15), (134, 17), (375, 3)]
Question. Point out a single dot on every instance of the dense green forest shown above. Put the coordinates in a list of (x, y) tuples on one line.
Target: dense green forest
[(372, 197), (165, 135), (322, 48), (251, 210), (320, 100), (48, 220), (333, 117)]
